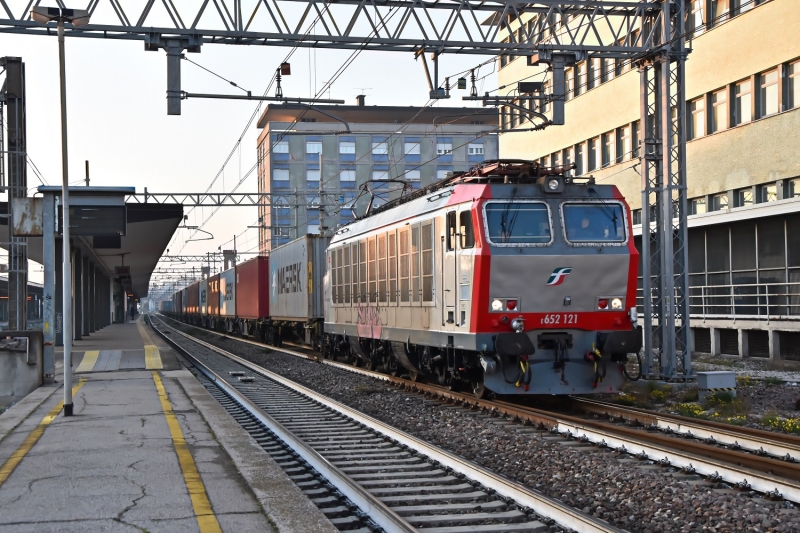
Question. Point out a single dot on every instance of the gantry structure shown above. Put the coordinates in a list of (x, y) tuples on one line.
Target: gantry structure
[(555, 33)]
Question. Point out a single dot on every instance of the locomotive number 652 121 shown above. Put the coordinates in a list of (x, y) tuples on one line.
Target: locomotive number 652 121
[(560, 318)]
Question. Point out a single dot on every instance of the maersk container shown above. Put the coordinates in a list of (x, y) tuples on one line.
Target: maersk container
[(213, 295), (227, 293), (192, 302), (203, 297), (296, 272), (252, 284)]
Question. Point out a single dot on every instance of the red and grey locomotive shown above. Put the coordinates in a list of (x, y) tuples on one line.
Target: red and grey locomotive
[(511, 277)]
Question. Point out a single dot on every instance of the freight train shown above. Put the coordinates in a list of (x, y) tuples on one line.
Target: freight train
[(510, 278)]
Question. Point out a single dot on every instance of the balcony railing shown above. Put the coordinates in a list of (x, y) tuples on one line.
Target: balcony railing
[(749, 301)]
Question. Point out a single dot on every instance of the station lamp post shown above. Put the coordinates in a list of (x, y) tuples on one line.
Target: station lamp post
[(76, 17)]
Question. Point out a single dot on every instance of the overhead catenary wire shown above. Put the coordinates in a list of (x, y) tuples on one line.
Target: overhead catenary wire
[(257, 109), (335, 77)]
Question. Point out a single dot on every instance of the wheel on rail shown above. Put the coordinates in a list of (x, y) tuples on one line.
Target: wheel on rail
[(414, 376), (479, 389), (372, 365)]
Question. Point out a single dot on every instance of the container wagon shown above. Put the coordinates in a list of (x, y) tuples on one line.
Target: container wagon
[(252, 307), (297, 270)]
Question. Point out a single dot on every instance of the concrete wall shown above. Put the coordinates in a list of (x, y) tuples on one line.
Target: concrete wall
[(18, 378)]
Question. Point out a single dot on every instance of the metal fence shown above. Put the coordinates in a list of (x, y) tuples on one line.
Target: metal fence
[(748, 301)]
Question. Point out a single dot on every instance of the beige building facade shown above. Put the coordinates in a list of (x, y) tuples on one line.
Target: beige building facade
[(743, 170)]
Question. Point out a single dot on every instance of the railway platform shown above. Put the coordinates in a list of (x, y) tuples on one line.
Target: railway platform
[(148, 449)]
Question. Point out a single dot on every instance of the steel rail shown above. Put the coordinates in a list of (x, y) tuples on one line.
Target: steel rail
[(380, 513), (541, 504), (755, 440), (744, 469)]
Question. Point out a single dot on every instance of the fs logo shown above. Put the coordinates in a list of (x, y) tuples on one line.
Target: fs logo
[(559, 275)]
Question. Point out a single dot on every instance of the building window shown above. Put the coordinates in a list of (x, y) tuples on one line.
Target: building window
[(281, 147), (411, 148), (594, 157), (568, 155), (380, 148), (347, 175), (412, 175), (793, 83), (696, 21), (637, 216), (697, 206), (447, 148), (475, 149), (313, 147), (594, 67), (719, 110), (744, 99), (580, 79), (719, 202), (721, 10), (697, 123), (569, 82), (441, 173), (744, 5), (792, 188), (580, 153), (555, 159), (347, 147), (608, 148), (768, 193), (744, 197), (624, 149), (635, 139), (769, 98), (280, 174), (608, 70), (378, 175), (312, 179)]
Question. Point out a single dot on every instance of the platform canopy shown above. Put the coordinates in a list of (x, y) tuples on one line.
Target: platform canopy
[(148, 229)]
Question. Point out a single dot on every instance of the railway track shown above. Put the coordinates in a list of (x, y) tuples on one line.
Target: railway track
[(776, 445), (399, 482), (762, 461)]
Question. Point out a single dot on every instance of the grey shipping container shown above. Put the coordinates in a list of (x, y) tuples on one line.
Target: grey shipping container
[(297, 270)]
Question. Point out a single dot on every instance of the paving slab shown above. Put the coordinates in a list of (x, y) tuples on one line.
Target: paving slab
[(114, 466)]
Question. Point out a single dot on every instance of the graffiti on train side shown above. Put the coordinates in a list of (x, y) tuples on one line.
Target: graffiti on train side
[(368, 322)]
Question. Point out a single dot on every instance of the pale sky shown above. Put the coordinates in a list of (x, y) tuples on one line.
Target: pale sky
[(116, 95)]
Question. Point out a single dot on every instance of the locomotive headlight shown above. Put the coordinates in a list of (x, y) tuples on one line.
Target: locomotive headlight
[(497, 305), (552, 185), (616, 303)]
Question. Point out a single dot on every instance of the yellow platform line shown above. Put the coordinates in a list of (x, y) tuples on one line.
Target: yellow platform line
[(88, 361), (152, 358), (34, 436), (206, 519), (143, 333)]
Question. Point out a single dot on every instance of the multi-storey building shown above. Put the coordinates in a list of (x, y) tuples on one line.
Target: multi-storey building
[(323, 164), (743, 169)]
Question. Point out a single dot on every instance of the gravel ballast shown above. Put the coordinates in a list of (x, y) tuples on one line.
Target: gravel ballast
[(629, 493)]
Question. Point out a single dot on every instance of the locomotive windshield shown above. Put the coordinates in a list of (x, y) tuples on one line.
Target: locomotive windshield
[(595, 222), (517, 223)]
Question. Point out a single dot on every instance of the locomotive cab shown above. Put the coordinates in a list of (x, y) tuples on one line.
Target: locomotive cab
[(558, 301)]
